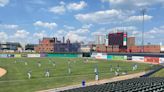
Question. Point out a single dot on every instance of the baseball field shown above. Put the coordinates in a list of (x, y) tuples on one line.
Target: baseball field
[(159, 73), (17, 80)]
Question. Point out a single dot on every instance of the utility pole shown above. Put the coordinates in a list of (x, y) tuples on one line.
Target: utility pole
[(143, 11)]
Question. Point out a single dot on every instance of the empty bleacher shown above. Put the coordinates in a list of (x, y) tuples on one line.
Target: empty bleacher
[(142, 84)]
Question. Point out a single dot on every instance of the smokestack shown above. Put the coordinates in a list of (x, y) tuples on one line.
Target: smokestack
[(56, 39), (63, 39)]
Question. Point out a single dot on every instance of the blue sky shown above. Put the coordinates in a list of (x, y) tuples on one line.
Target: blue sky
[(26, 21)]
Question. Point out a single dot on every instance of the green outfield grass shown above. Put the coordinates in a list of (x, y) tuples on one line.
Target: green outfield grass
[(159, 73), (16, 79)]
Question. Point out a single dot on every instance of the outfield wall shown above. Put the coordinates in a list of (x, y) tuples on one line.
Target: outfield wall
[(131, 57), (64, 55), (40, 55), (138, 58)]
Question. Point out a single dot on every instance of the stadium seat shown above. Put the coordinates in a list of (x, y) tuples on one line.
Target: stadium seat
[(142, 84)]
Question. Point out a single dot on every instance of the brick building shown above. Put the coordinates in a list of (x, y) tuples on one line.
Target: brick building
[(118, 43), (147, 49), (46, 45), (62, 47), (54, 45), (103, 48), (131, 41)]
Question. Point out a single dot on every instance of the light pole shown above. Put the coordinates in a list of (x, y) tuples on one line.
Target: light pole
[(143, 11)]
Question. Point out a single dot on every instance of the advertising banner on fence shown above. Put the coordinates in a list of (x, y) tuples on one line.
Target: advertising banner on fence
[(129, 57), (63, 55), (23, 55), (161, 60), (43, 55), (10, 55), (80, 55), (125, 57), (33, 55), (138, 58), (93, 55), (117, 57), (109, 57), (101, 56), (17, 55), (71, 55), (153, 60), (3, 55)]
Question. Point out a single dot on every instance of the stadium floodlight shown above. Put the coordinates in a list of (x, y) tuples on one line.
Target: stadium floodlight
[(143, 11)]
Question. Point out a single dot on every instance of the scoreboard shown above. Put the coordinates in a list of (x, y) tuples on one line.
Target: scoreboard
[(119, 38)]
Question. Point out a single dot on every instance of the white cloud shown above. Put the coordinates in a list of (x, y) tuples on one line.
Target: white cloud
[(96, 33), (133, 4), (3, 2), (100, 16), (40, 34), (156, 31), (9, 26), (153, 35), (75, 37), (69, 27), (63, 7), (140, 18), (45, 24), (87, 26), (62, 3), (60, 33), (81, 31), (3, 36), (135, 32), (129, 29), (73, 34), (80, 34), (58, 9), (111, 16), (21, 34), (76, 6)]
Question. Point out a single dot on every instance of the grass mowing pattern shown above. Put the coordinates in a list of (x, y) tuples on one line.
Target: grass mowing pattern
[(16, 78)]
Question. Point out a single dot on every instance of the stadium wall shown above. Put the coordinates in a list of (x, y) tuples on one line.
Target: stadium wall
[(147, 58), (63, 55), (17, 55), (139, 58)]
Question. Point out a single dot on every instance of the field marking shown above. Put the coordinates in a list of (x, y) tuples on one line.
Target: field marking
[(2, 72)]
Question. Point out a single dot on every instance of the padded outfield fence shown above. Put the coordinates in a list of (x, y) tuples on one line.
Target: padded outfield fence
[(52, 55), (148, 58)]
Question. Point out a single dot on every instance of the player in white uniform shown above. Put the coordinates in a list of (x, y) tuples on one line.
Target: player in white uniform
[(47, 73), (29, 74)]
